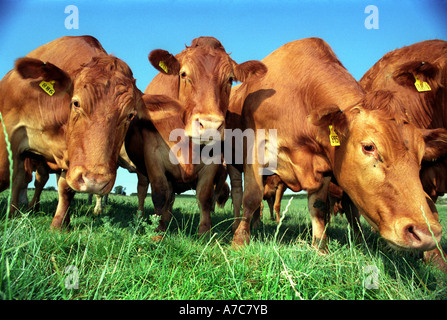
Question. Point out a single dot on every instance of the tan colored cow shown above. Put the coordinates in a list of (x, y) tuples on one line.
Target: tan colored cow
[(311, 100), (417, 76), (69, 104), (200, 77)]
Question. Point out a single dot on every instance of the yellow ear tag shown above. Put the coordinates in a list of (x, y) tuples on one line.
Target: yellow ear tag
[(421, 86), (335, 141), (162, 65), (48, 87)]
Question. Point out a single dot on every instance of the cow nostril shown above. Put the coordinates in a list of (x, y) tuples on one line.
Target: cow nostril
[(81, 180), (412, 233)]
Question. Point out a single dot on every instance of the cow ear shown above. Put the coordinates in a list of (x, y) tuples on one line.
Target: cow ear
[(164, 62), (435, 143), (158, 107), (329, 115), (248, 69), (30, 68), (331, 121), (406, 74)]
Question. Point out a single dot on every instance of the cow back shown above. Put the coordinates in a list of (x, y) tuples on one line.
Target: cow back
[(69, 53)]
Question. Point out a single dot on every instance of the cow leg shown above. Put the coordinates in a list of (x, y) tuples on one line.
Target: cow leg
[(98, 207), (317, 203), (142, 187), (236, 193), (278, 197), (23, 197), (205, 195), (220, 178), (256, 218), (253, 194), (4, 162), (270, 202), (437, 257), (41, 177), (66, 194), (161, 194), (18, 183)]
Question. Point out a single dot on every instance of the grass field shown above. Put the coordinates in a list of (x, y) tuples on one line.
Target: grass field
[(114, 256)]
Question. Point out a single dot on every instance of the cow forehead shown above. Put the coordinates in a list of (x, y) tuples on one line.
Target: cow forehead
[(94, 97), (393, 136), (202, 61), (108, 81)]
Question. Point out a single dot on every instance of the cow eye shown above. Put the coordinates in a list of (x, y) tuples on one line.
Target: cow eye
[(75, 104), (183, 75), (369, 149), (230, 80), (131, 115)]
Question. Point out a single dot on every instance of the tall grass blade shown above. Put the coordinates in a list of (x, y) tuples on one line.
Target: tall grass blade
[(433, 235)]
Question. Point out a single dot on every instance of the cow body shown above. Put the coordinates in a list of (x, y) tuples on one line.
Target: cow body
[(200, 77), (376, 162), (79, 130)]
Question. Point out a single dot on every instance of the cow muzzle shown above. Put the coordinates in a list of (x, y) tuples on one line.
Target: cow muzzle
[(205, 129), (409, 235), (100, 181)]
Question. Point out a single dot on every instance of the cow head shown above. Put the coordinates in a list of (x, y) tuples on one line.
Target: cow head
[(417, 84), (378, 163), (103, 101), (204, 75)]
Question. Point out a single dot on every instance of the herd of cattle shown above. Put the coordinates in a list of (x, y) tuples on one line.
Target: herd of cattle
[(378, 145)]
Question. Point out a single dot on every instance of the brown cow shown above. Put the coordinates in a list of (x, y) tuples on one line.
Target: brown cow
[(200, 77), (397, 71), (377, 160), (76, 125), (417, 76)]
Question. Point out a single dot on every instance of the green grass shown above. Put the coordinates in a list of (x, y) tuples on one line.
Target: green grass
[(116, 258)]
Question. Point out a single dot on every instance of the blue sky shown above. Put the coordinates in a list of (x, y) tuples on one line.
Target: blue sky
[(248, 29)]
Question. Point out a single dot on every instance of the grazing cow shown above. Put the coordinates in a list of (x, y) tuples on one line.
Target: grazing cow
[(326, 124), (68, 103), (200, 77), (417, 76), (404, 71)]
